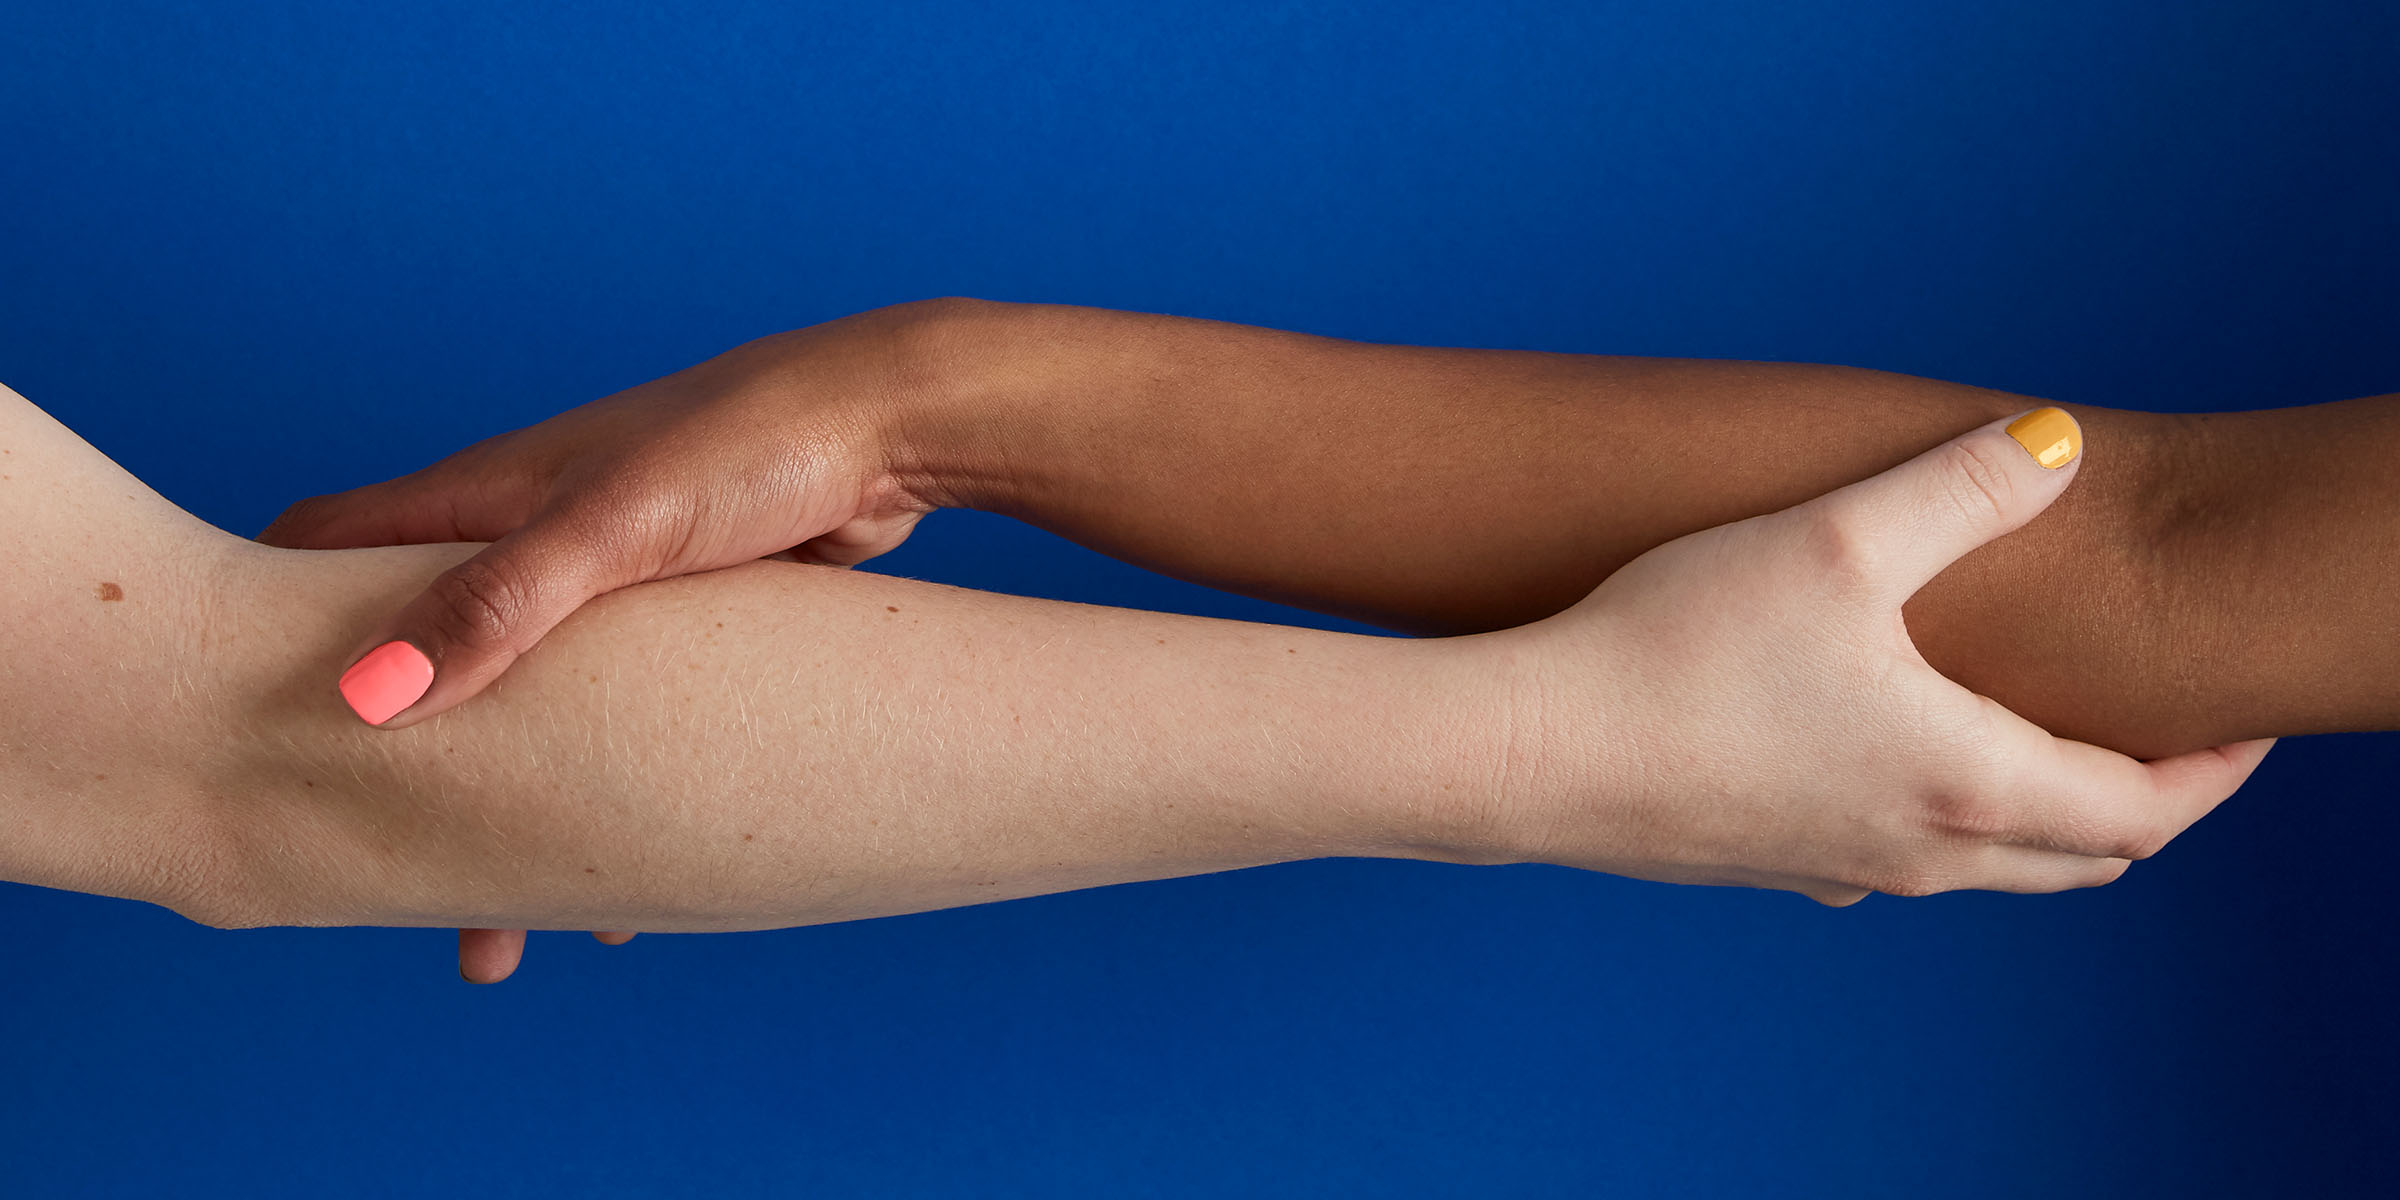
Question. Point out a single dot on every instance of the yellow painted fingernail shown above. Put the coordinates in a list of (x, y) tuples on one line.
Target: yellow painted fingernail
[(2049, 435)]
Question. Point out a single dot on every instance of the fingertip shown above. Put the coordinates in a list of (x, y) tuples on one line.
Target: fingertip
[(368, 516), (282, 532), (2244, 757), (385, 681), (1838, 897), (489, 955), (2050, 434), (2106, 871)]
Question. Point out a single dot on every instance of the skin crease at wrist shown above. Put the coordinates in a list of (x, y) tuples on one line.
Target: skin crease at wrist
[(2197, 585)]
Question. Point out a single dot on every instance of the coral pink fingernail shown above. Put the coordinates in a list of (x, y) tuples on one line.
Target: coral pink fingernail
[(388, 679)]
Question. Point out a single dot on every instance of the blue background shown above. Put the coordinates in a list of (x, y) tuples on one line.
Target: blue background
[(258, 251)]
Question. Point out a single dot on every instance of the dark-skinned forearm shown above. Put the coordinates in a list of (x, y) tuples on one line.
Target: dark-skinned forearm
[(1442, 491)]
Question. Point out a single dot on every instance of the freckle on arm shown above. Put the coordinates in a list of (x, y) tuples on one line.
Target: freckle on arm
[(109, 591)]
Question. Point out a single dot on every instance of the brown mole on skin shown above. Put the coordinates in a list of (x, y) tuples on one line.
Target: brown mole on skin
[(109, 591), (891, 608)]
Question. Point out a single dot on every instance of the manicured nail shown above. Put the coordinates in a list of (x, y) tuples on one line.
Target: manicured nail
[(388, 679), (2049, 435)]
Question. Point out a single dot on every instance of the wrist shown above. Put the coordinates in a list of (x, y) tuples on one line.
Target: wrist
[(1466, 781), (963, 422)]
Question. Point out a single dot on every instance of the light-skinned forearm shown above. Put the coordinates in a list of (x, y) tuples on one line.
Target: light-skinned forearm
[(779, 744), (2206, 579)]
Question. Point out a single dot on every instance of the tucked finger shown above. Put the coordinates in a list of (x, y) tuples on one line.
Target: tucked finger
[(2083, 799), (2133, 809), (2023, 869), (612, 939), (437, 504), (489, 955)]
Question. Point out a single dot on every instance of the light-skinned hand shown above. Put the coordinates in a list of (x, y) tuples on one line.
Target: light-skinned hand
[(1743, 706)]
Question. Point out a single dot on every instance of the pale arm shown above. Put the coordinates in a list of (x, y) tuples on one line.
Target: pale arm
[(770, 745), (781, 744)]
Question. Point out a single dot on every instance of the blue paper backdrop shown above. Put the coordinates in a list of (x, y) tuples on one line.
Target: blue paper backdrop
[(257, 251)]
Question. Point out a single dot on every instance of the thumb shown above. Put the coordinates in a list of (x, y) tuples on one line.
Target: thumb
[(1916, 519), (476, 618)]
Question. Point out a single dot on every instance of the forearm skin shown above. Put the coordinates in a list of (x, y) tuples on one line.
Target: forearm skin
[(2281, 544), (777, 744), (2194, 587)]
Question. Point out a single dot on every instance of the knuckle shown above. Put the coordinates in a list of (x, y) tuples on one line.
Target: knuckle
[(1967, 812), (479, 603), (1970, 796), (1978, 481), (1836, 544)]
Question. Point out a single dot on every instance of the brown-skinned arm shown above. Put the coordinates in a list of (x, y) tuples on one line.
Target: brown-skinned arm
[(2207, 579)]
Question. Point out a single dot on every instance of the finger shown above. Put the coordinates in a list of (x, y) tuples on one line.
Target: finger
[(2132, 809), (477, 617), (441, 503), (489, 955), (857, 540), (612, 939), (1836, 895), (2084, 799), (1909, 523), (2026, 870)]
